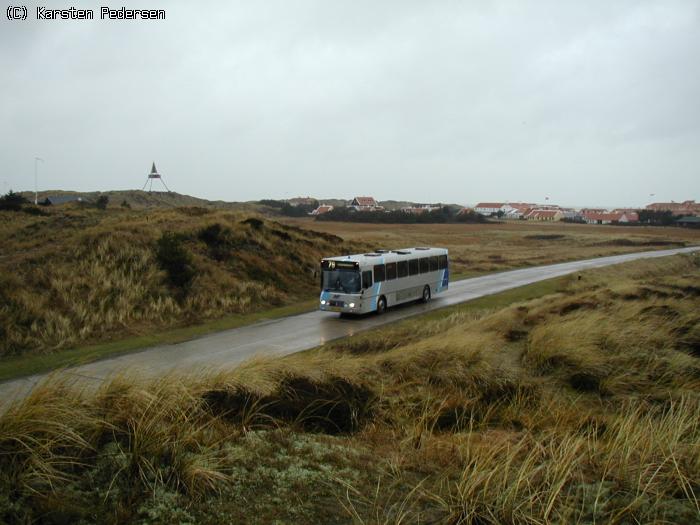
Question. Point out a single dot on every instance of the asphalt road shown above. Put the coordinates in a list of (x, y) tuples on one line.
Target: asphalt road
[(300, 332)]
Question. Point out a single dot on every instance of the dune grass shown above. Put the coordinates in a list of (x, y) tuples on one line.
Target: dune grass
[(81, 276), (577, 406), (26, 365)]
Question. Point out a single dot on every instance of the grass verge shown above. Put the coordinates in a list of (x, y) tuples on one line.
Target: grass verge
[(26, 365)]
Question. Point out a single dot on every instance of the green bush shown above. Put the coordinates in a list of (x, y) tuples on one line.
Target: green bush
[(174, 258), (254, 223), (12, 201), (34, 210), (218, 240), (102, 202)]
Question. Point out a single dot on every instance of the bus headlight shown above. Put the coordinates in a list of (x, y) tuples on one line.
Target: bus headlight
[(352, 305), (323, 301)]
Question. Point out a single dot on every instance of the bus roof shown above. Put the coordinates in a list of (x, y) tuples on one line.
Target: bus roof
[(388, 256)]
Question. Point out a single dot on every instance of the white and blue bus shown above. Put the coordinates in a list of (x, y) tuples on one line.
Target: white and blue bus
[(372, 282)]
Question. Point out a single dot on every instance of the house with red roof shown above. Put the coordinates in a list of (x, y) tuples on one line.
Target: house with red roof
[(365, 204), (517, 210), (609, 217), (323, 208), (544, 215), (677, 208)]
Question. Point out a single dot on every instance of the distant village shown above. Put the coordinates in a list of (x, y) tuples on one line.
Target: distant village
[(686, 213)]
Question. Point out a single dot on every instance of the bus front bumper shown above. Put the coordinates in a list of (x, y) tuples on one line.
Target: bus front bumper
[(345, 307)]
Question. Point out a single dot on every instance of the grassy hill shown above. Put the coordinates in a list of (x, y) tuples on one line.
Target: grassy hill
[(138, 199), (78, 275), (568, 401)]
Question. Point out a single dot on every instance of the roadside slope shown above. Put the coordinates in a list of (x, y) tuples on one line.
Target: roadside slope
[(80, 276)]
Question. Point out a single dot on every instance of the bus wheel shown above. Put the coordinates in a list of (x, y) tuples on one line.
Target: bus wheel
[(426, 294), (381, 306)]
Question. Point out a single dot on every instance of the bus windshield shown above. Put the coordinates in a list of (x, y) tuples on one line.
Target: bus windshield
[(346, 281)]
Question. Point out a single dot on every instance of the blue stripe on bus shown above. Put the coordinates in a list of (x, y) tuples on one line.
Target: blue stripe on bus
[(444, 281), (378, 287)]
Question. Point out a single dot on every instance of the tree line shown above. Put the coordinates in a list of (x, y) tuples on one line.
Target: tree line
[(444, 214)]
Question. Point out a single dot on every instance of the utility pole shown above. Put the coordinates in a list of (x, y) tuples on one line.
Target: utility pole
[(36, 178)]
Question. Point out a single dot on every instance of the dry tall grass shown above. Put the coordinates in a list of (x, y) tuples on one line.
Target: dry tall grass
[(481, 248), (81, 275), (578, 407)]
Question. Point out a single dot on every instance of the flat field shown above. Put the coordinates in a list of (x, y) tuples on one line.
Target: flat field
[(481, 248)]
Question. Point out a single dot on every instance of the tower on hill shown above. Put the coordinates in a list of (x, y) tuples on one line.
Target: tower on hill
[(154, 175)]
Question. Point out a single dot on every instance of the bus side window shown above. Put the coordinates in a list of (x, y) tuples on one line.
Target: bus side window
[(402, 268), (434, 263), (390, 271), (379, 272), (413, 267), (424, 265), (442, 262), (367, 279)]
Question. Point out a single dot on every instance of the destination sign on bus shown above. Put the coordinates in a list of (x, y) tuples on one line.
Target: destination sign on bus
[(339, 265)]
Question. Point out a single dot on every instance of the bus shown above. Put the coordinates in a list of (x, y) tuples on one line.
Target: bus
[(373, 282)]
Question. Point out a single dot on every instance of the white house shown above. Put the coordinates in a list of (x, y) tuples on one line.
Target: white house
[(488, 208), (516, 210)]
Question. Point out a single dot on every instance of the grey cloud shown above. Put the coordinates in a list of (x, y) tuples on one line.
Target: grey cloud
[(586, 102)]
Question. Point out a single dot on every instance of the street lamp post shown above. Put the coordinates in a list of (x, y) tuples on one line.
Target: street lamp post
[(36, 178)]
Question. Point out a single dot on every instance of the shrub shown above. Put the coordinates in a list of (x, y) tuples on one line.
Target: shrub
[(470, 216), (254, 223), (271, 203), (12, 201), (300, 210), (290, 210), (440, 215), (102, 202), (34, 210), (657, 217), (174, 258), (218, 240)]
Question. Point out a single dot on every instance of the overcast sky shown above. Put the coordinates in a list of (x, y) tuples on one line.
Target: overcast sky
[(586, 103)]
